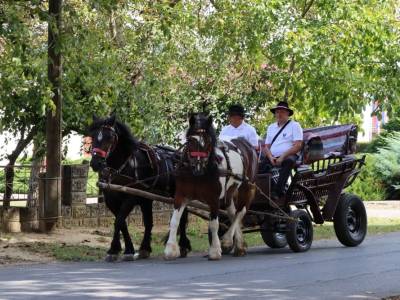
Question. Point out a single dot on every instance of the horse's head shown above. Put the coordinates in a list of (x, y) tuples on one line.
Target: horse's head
[(104, 140), (201, 140)]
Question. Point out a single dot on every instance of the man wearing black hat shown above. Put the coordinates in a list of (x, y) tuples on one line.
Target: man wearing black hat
[(283, 142), (238, 127)]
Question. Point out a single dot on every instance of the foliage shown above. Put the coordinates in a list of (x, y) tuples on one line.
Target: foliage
[(368, 185), (380, 178), (380, 141), (154, 61), (388, 165)]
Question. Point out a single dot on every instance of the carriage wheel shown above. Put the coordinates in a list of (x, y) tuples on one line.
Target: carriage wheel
[(350, 220), (272, 239), (299, 233)]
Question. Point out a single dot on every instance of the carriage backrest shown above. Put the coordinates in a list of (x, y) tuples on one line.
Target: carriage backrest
[(321, 142)]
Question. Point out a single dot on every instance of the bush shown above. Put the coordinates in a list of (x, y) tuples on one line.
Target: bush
[(368, 185), (389, 129), (387, 165)]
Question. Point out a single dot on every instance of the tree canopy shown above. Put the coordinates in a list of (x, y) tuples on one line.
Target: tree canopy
[(154, 61)]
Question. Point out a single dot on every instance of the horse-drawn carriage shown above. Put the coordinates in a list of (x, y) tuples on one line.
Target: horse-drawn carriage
[(314, 193)]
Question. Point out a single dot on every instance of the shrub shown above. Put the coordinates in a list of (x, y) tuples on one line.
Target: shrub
[(368, 185), (387, 165)]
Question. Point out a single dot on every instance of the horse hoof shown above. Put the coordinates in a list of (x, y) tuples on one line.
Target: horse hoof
[(214, 257), (239, 252), (171, 251), (226, 250), (226, 245), (214, 254), (128, 257), (111, 258), (184, 252), (144, 254)]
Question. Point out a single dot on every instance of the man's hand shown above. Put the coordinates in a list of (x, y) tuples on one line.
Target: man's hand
[(279, 160)]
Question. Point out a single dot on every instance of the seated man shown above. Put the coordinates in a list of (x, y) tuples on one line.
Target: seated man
[(238, 127), (283, 142)]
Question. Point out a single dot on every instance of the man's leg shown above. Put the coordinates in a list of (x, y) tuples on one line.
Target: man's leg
[(284, 173), (264, 166)]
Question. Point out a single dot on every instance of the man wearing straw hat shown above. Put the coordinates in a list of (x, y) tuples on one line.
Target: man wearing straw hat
[(282, 144)]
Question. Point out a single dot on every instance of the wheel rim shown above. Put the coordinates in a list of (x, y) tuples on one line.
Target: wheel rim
[(353, 221), (302, 232), (280, 236)]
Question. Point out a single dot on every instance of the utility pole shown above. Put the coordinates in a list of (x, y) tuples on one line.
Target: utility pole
[(51, 206)]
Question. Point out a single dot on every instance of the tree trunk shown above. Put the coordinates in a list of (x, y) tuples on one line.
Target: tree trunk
[(12, 158), (52, 202)]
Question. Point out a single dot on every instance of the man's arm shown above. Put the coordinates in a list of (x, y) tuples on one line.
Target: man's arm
[(295, 148), (297, 143)]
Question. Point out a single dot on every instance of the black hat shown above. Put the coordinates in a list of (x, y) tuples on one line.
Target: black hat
[(236, 110), (283, 105)]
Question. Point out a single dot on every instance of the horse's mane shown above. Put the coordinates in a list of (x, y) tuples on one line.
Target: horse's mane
[(126, 136)]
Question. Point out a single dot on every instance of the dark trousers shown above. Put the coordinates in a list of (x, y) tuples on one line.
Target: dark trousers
[(284, 172)]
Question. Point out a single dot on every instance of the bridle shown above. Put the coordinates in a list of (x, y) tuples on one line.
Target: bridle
[(198, 151), (98, 152)]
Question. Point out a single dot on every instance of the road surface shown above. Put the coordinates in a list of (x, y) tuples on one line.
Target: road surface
[(327, 271)]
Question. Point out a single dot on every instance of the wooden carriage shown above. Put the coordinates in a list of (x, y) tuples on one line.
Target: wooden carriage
[(314, 193)]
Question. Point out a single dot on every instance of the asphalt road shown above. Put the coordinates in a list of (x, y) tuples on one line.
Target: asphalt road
[(327, 271)]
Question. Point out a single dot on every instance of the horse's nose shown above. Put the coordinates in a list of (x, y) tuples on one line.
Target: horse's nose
[(97, 164)]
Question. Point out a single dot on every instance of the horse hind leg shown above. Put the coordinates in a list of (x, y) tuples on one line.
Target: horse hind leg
[(245, 196), (227, 238), (239, 248)]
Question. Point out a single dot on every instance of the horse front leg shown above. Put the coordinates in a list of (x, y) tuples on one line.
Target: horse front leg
[(214, 252), (115, 248), (147, 212), (171, 249), (184, 243), (121, 224)]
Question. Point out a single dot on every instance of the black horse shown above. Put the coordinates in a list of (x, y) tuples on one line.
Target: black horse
[(121, 159)]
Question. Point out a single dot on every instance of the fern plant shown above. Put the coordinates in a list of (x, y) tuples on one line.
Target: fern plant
[(387, 165)]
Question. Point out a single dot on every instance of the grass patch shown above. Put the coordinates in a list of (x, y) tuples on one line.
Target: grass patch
[(63, 252)]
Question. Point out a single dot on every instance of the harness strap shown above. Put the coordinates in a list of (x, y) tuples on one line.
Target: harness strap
[(198, 154), (99, 152)]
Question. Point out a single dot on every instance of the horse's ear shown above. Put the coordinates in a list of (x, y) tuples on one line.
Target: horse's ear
[(95, 118), (191, 119), (209, 121), (111, 120)]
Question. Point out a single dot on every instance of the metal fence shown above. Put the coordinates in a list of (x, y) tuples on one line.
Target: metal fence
[(25, 186)]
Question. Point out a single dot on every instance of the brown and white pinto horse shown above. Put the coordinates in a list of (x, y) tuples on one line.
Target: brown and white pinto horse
[(220, 176)]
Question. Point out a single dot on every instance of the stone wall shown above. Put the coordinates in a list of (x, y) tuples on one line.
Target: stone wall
[(98, 215)]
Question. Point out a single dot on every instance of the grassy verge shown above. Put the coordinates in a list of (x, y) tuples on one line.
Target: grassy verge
[(63, 252), (197, 234)]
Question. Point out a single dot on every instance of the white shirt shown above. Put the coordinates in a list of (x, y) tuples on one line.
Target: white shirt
[(292, 132), (244, 130)]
